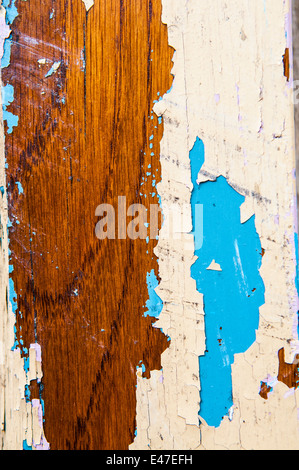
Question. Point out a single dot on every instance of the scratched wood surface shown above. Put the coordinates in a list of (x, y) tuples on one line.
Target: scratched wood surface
[(295, 31), (82, 140)]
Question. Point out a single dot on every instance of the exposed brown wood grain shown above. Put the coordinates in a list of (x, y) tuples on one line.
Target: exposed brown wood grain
[(70, 157), (286, 64), (288, 373), (264, 390)]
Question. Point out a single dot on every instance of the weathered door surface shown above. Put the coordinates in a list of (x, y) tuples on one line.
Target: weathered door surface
[(148, 255)]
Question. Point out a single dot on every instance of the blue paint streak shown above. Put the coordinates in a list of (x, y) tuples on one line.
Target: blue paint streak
[(26, 364), (20, 187), (5, 60), (154, 304), (11, 119), (233, 296), (7, 95), (11, 10)]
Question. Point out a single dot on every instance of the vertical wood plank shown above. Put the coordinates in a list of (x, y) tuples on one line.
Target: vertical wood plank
[(83, 139)]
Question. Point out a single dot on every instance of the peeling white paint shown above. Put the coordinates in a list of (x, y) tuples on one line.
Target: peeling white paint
[(230, 91)]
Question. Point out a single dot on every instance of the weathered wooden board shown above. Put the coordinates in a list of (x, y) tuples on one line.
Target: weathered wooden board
[(186, 342), (82, 139)]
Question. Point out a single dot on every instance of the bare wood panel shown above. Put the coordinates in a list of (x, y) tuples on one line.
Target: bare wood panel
[(82, 140)]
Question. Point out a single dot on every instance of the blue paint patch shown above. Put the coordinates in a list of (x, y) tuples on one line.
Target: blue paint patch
[(7, 98), (12, 296), (297, 271), (154, 304), (7, 93), (16, 343), (232, 297), (10, 16), (11, 10), (26, 364), (26, 446), (142, 367), (20, 187), (53, 69)]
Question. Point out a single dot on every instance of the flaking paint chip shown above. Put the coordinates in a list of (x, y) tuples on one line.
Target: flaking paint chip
[(53, 69), (88, 4), (214, 266)]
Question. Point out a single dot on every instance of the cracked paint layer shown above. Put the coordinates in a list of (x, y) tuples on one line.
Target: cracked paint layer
[(154, 304), (233, 296), (239, 103)]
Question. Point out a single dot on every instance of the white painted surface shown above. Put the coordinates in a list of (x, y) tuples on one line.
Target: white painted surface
[(231, 51)]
